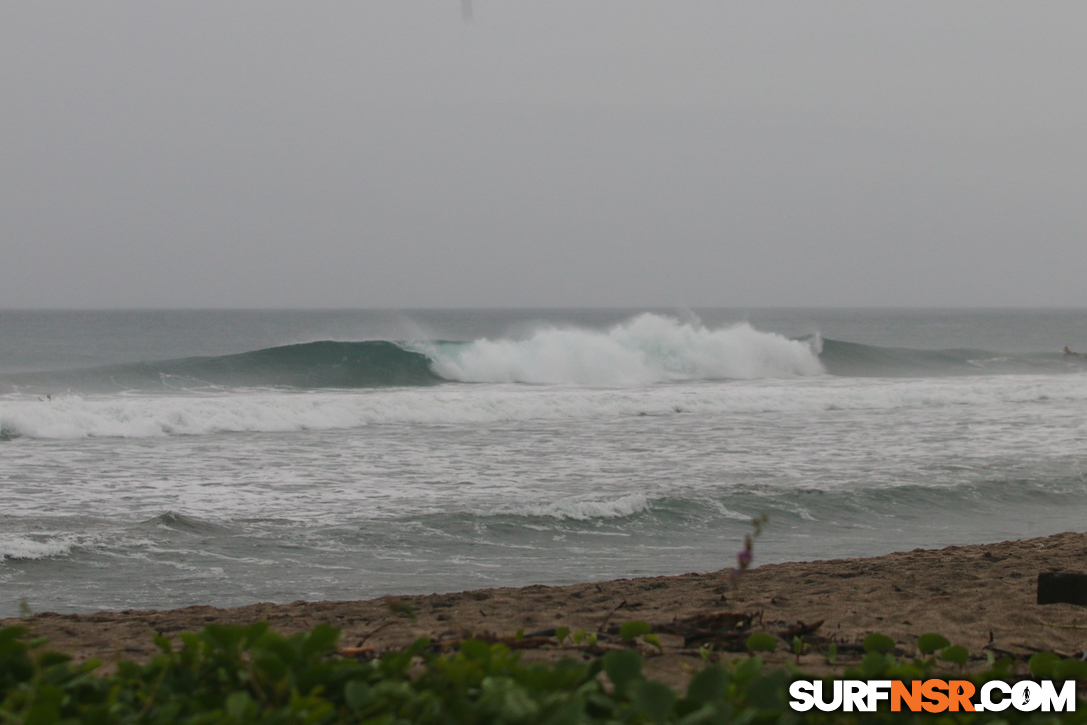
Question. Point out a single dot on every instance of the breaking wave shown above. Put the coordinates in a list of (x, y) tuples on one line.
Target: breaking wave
[(25, 547), (647, 349), (142, 415), (583, 510)]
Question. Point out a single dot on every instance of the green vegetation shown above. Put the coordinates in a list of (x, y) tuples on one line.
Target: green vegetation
[(761, 642), (633, 629), (232, 674), (929, 643), (877, 642)]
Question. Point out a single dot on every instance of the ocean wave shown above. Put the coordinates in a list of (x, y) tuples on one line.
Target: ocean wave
[(311, 365), (585, 509), (646, 349), (27, 547), (142, 416), (175, 521), (850, 359)]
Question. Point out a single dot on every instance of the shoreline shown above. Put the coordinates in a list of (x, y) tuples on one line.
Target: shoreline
[(982, 596)]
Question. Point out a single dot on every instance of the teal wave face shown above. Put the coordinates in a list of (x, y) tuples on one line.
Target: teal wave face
[(624, 356), (310, 365), (324, 364), (850, 359)]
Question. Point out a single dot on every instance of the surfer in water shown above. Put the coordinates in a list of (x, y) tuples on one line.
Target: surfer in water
[(1068, 351)]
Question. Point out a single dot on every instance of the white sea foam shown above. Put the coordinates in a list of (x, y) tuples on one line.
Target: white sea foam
[(582, 509), (140, 416), (647, 349), (22, 547)]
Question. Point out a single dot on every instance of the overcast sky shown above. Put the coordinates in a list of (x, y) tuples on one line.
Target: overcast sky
[(556, 153)]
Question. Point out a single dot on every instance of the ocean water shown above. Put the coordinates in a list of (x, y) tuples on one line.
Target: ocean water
[(165, 458)]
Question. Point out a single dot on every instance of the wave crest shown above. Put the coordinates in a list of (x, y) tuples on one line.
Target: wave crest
[(583, 510), (646, 349), (140, 416), (23, 547)]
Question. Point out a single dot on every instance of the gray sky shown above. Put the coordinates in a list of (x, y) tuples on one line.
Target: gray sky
[(558, 153)]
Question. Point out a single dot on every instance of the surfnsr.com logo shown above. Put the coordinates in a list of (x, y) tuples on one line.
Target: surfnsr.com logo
[(933, 695)]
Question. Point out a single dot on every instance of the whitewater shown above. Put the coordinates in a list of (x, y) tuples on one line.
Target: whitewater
[(162, 459)]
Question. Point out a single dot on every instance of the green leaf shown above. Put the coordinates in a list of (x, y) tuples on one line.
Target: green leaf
[(633, 629), (46, 707), (956, 654), (1003, 666), (356, 694), (929, 643), (654, 698), (1070, 669), (747, 669), (561, 633), (507, 701), (239, 704), (903, 671), (42, 713), (877, 642), (654, 640), (768, 691), (875, 665), (622, 668), (474, 649), (709, 685), (761, 642), (1042, 664), (321, 641)]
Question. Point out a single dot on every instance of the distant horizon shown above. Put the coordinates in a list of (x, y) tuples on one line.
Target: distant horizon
[(602, 308)]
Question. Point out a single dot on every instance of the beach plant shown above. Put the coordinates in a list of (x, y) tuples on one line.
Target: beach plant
[(956, 654), (632, 629), (1070, 668), (251, 674), (1042, 664), (761, 642), (876, 642), (799, 647), (654, 640), (931, 642)]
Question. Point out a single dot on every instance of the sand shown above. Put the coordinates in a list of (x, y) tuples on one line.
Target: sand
[(982, 597)]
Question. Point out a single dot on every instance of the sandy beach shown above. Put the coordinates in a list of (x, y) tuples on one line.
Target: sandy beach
[(981, 596)]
